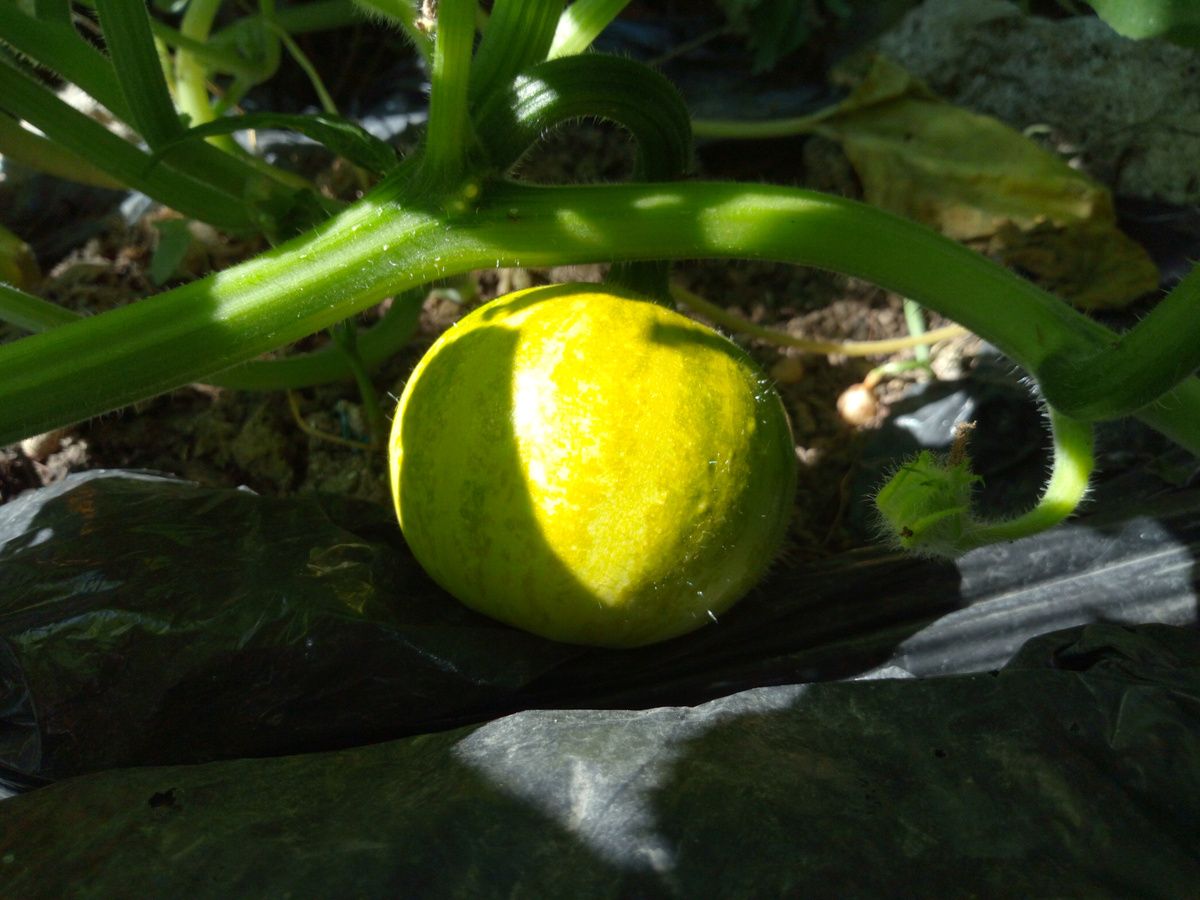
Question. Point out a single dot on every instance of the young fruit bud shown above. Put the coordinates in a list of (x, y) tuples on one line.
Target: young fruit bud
[(926, 505)]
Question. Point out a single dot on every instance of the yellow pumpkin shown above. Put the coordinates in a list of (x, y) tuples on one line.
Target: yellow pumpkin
[(591, 467)]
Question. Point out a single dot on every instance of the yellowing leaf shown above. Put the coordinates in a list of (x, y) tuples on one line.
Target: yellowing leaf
[(974, 178), (1093, 265)]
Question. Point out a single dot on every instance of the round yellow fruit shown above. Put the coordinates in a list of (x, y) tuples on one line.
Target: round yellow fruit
[(591, 467)]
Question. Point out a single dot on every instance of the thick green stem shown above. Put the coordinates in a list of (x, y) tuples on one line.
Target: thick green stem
[(619, 90), (1129, 373), (380, 247), (693, 220), (374, 345), (449, 137)]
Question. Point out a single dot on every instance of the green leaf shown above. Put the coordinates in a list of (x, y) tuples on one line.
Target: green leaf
[(1175, 20), (341, 136)]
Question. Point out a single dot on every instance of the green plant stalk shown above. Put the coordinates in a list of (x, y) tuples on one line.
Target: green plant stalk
[(518, 34), (594, 86), (321, 15), (914, 318), (61, 49), (1115, 380), (926, 505), (896, 367), (738, 325), (1071, 468), (374, 345), (301, 18), (751, 130), (31, 149), (195, 170), (165, 61), (268, 38), (214, 57), (581, 23), (191, 91), (380, 247), (449, 137), (403, 15), (32, 313), (191, 72), (345, 337), (219, 51), (126, 26), (649, 107), (84, 137), (310, 70)]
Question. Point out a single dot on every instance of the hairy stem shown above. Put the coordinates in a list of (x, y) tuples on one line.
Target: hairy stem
[(449, 137), (383, 245), (1072, 466), (1137, 367)]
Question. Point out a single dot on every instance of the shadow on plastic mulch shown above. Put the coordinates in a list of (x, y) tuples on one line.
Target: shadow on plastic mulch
[(147, 622)]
